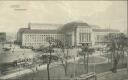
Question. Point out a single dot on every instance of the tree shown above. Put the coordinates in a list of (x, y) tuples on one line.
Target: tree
[(116, 46), (86, 51), (49, 59), (127, 59), (64, 54)]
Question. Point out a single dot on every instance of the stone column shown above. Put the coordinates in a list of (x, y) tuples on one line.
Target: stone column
[(73, 38), (77, 36), (92, 38)]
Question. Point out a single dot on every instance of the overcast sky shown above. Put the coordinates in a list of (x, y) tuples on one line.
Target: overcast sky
[(16, 14)]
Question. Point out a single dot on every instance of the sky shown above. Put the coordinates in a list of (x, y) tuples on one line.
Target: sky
[(106, 14)]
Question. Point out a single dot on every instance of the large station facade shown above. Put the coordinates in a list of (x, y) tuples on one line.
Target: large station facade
[(75, 33)]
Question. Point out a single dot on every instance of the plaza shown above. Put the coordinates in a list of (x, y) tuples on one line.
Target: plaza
[(97, 63)]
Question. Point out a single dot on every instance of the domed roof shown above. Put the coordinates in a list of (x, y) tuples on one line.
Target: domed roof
[(74, 24)]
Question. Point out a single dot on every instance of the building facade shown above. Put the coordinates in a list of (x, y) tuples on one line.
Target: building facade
[(2, 36), (40, 38), (78, 33), (32, 37), (75, 33), (100, 34)]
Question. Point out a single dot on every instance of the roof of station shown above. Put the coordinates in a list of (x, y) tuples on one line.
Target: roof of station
[(39, 31), (105, 30), (62, 28), (72, 25)]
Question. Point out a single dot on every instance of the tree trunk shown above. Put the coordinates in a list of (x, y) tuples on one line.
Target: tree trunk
[(111, 60), (122, 57), (127, 63), (65, 69), (87, 61), (48, 71), (48, 64), (84, 64), (114, 70)]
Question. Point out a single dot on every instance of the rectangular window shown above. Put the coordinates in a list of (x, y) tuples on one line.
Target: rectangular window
[(85, 37)]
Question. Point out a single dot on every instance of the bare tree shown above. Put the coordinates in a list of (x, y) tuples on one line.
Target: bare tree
[(117, 44), (49, 57), (86, 51), (64, 54)]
